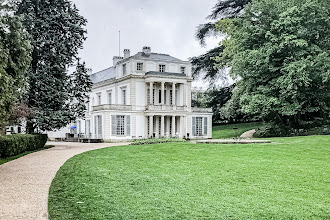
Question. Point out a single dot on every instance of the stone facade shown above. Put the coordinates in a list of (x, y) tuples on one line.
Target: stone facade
[(142, 96)]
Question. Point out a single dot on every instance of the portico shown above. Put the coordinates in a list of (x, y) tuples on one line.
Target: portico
[(165, 125)]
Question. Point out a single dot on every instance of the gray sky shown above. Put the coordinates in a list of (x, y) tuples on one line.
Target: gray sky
[(166, 26)]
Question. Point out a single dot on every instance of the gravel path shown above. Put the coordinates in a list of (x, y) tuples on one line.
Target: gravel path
[(248, 134), (24, 182)]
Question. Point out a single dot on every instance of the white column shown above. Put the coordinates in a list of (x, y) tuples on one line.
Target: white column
[(156, 95), (151, 92), (173, 94), (184, 95), (146, 127), (157, 126), (162, 124), (151, 126), (167, 118), (173, 126), (162, 96)]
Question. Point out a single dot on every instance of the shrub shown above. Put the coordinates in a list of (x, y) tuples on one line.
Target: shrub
[(12, 145), (156, 141)]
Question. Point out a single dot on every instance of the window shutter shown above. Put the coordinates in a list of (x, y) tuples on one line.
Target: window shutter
[(128, 125), (205, 126), (194, 126), (113, 125)]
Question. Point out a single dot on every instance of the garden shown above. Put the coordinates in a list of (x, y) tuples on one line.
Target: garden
[(285, 179)]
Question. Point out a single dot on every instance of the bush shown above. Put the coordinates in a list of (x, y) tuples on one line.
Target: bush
[(156, 141), (273, 130), (12, 145)]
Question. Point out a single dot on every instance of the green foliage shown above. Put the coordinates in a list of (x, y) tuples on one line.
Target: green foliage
[(12, 145), (283, 180), (280, 51), (58, 33), (156, 141), (81, 86), (15, 51)]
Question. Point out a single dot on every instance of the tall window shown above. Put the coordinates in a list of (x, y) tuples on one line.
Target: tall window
[(120, 121), (162, 68), (148, 97), (183, 69), (123, 92), (171, 98), (87, 105), (120, 125), (109, 98), (197, 126), (99, 99), (124, 69), (139, 66)]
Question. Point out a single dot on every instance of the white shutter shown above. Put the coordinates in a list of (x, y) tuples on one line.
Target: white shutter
[(128, 125), (205, 126), (113, 125), (194, 126)]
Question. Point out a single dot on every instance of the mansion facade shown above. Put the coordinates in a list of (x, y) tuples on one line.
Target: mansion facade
[(142, 96)]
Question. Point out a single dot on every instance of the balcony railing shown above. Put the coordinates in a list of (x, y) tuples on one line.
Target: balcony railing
[(164, 108), (112, 107)]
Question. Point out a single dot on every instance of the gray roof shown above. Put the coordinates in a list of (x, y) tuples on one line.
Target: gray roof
[(156, 56), (104, 75)]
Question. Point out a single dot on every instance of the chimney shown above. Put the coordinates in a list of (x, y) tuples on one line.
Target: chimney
[(127, 53), (89, 71), (146, 50), (116, 59)]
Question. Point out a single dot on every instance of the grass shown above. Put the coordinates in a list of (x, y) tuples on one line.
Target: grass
[(227, 131), (5, 160), (286, 180)]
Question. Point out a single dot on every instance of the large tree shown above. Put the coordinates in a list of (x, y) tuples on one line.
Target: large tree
[(57, 31), (205, 64), (280, 52), (15, 50)]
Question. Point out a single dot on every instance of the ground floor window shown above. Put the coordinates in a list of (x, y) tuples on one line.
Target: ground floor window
[(199, 126), (120, 125)]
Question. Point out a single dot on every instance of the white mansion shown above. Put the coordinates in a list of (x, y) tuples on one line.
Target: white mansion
[(142, 96)]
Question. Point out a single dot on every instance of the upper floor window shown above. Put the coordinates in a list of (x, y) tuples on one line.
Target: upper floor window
[(109, 98), (99, 98), (124, 69), (139, 66), (123, 92), (162, 68), (183, 70)]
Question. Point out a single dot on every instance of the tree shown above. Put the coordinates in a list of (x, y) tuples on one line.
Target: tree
[(205, 64), (15, 58), (82, 84), (58, 33), (280, 51)]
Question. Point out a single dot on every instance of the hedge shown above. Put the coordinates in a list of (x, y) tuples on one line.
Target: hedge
[(12, 145)]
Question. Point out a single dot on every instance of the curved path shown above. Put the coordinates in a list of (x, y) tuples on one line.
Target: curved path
[(25, 182)]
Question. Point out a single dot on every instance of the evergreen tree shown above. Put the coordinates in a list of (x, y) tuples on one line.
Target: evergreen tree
[(81, 84), (58, 33), (15, 51)]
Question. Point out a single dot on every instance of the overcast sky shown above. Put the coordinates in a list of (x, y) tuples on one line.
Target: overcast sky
[(166, 26)]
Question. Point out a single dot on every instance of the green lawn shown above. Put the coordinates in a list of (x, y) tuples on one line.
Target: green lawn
[(289, 179), (227, 131)]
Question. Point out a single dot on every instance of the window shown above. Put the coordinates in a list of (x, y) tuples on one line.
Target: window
[(123, 93), (197, 126), (171, 98), (88, 128), (109, 98), (165, 97), (99, 99), (161, 68), (120, 125), (148, 97), (124, 69), (139, 66), (160, 96), (87, 106), (183, 70)]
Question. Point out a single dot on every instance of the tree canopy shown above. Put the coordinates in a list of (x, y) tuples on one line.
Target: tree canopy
[(280, 52), (57, 31), (15, 51)]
